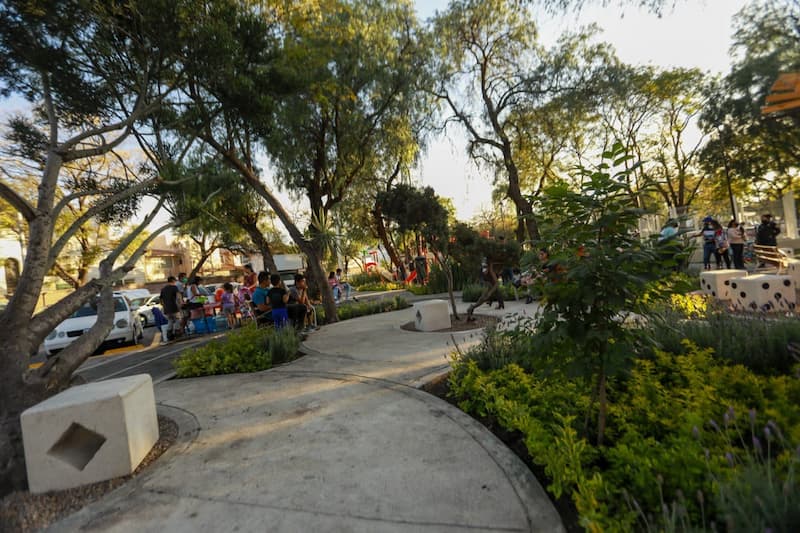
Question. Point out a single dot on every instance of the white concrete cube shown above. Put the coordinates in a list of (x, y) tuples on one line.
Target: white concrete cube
[(793, 270), (89, 433), (432, 315), (764, 292), (717, 282)]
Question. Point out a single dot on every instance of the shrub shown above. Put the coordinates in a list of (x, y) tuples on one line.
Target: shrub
[(419, 290), (760, 343), (356, 309), (381, 286), (364, 278), (472, 291), (249, 349), (661, 437)]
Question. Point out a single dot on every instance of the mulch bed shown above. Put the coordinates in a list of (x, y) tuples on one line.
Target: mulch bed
[(440, 388), (23, 511), (480, 322)]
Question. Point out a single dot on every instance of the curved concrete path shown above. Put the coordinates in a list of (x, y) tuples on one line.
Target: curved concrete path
[(340, 440)]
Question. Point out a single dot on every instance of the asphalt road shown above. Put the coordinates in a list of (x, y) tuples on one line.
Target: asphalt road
[(150, 357)]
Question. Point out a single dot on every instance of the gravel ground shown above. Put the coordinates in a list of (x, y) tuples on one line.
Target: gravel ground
[(480, 322), (23, 511)]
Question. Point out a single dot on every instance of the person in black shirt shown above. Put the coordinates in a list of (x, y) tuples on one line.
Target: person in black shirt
[(171, 301), (767, 231)]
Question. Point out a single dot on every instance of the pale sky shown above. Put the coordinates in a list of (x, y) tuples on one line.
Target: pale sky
[(696, 33)]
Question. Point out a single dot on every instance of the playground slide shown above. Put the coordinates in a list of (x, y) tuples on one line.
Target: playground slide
[(385, 274), (411, 277)]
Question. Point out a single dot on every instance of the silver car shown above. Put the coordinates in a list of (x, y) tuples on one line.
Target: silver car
[(144, 307)]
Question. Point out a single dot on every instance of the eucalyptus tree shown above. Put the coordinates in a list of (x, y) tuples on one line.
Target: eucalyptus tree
[(493, 75), (92, 71)]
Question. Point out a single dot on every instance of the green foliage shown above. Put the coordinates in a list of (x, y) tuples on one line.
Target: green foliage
[(249, 349), (364, 278), (381, 286), (437, 280), (472, 291), (759, 343), (357, 309), (667, 431), (419, 290)]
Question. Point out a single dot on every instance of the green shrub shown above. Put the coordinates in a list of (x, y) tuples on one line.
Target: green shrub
[(381, 286), (667, 431), (356, 309), (472, 291), (760, 343), (419, 290), (437, 281), (248, 349), (364, 278)]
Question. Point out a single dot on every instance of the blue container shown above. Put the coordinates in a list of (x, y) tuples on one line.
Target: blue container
[(204, 325)]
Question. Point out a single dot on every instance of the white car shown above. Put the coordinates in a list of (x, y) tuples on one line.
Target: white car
[(126, 329), (144, 308)]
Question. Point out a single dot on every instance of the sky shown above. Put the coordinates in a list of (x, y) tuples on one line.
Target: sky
[(695, 33)]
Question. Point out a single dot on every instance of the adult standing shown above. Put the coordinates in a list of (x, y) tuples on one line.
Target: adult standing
[(708, 233), (767, 231), (181, 282), (171, 302), (721, 240), (736, 241)]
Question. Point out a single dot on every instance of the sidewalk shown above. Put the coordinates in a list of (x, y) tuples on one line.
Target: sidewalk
[(340, 440)]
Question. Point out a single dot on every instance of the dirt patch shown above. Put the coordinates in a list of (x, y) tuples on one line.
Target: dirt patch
[(23, 511), (480, 322), (440, 387)]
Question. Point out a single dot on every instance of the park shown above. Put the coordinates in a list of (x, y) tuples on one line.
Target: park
[(313, 334)]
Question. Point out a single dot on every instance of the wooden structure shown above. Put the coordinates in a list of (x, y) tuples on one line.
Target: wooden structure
[(784, 96)]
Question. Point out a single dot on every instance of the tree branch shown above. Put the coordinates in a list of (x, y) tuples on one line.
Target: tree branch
[(17, 202)]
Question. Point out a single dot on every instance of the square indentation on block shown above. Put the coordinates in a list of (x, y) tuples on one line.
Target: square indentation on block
[(77, 446)]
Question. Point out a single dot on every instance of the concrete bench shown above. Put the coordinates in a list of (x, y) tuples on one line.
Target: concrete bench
[(763, 292), (89, 433), (432, 315)]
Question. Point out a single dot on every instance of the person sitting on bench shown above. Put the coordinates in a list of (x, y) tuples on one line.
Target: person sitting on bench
[(260, 301), (278, 296)]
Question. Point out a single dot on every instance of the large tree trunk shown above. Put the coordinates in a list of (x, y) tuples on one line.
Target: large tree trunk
[(527, 227), (251, 228), (314, 258)]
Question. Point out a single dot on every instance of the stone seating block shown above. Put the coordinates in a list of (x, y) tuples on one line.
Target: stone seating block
[(89, 433), (432, 315), (717, 282), (764, 292), (793, 270)]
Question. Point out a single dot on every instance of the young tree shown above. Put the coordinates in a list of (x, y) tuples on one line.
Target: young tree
[(91, 71)]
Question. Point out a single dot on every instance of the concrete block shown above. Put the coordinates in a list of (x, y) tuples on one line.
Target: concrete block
[(432, 315), (764, 292), (793, 270), (89, 433), (717, 282)]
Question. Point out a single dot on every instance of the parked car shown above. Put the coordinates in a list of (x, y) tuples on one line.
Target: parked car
[(144, 308), (127, 327)]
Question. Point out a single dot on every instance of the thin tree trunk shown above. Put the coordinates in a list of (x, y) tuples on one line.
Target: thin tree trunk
[(602, 407)]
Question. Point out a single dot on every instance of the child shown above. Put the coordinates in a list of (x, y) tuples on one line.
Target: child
[(161, 323), (278, 297), (229, 303)]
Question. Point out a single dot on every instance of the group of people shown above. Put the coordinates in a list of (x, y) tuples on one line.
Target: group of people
[(339, 286), (720, 242), (261, 297)]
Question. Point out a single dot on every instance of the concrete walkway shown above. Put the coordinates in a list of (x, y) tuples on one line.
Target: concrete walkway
[(340, 440)]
